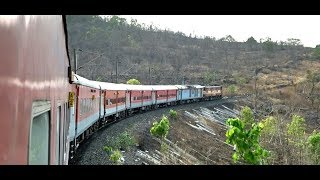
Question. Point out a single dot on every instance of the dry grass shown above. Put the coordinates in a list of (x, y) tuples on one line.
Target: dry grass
[(207, 148), (188, 146)]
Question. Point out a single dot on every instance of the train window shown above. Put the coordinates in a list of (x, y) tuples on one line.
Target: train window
[(58, 134), (83, 106), (65, 129), (39, 134)]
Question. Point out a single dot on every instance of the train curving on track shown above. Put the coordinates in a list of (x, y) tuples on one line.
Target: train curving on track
[(47, 110)]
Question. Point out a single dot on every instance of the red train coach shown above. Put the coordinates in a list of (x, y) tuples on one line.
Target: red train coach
[(34, 89)]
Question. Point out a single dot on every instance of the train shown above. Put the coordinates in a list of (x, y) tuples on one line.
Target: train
[(47, 110)]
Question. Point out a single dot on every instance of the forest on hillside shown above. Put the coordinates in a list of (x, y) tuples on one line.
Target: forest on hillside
[(144, 52)]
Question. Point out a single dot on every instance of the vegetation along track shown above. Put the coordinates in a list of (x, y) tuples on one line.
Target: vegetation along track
[(91, 151)]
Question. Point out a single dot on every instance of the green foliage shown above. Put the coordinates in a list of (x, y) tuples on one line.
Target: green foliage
[(251, 40), (247, 117), (246, 142), (164, 148), (293, 42), (313, 77), (296, 131), (241, 80), (269, 124), (133, 81), (316, 52), (314, 147), (108, 149), (228, 38), (173, 113), (116, 21), (132, 42), (124, 141), (160, 129), (268, 45), (232, 89), (209, 77), (116, 156)]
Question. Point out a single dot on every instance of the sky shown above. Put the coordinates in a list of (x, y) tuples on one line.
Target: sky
[(240, 27)]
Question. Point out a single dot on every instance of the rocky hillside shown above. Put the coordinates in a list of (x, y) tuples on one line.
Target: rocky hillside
[(144, 52)]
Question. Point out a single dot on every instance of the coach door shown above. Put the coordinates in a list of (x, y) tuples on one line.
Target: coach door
[(62, 129), (154, 97), (39, 137), (128, 97), (101, 105)]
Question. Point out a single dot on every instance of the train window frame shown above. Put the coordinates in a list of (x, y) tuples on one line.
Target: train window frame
[(39, 108), (64, 148), (58, 131), (80, 107)]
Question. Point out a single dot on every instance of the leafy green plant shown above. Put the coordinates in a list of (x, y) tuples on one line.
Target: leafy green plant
[(133, 81), (160, 129), (316, 52), (173, 113), (232, 89), (296, 131), (246, 142), (247, 117), (116, 156), (124, 141), (314, 147), (241, 80), (269, 126), (296, 135), (108, 149), (209, 77)]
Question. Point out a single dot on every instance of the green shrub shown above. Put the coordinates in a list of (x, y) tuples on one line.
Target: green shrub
[(173, 113), (116, 156), (108, 149), (125, 141), (160, 129)]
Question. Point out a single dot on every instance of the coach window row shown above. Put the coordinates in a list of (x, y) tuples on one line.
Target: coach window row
[(88, 104)]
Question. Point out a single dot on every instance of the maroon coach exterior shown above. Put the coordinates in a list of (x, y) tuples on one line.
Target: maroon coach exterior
[(34, 67)]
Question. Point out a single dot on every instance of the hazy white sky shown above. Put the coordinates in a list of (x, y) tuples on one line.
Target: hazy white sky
[(241, 27)]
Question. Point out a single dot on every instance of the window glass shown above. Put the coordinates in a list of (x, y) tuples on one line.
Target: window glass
[(58, 134), (39, 140)]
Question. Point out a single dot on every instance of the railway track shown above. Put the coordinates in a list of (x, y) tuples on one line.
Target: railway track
[(90, 152)]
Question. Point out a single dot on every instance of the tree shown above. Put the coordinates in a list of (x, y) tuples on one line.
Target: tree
[(313, 78), (316, 52), (293, 42), (161, 130), (246, 142), (209, 77), (268, 45), (225, 44), (232, 89), (251, 42), (314, 147), (270, 125), (133, 81), (296, 134), (247, 117)]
